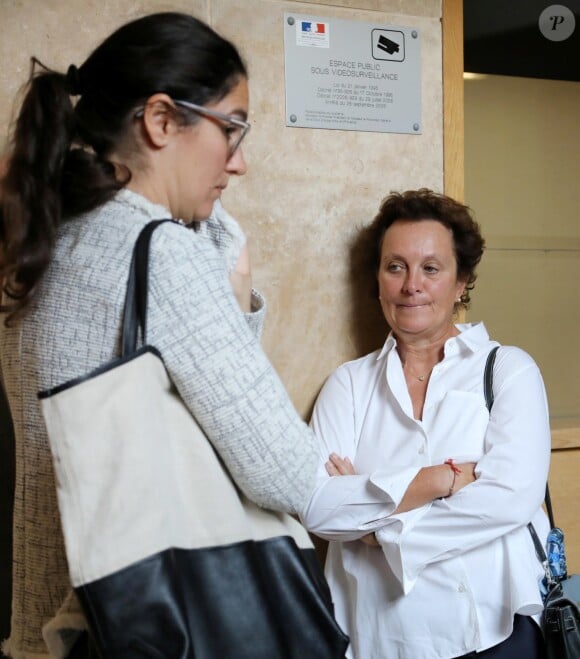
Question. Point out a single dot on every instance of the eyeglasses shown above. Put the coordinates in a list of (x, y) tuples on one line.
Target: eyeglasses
[(235, 129)]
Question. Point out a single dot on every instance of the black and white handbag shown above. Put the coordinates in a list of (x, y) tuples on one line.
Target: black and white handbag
[(168, 558)]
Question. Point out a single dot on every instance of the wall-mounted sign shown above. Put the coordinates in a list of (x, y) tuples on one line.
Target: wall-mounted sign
[(352, 76)]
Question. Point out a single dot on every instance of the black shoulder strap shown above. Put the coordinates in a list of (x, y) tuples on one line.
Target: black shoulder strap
[(548, 501), (135, 310), (540, 552), (488, 378)]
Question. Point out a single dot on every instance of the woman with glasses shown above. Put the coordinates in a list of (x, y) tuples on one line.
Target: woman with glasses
[(150, 126)]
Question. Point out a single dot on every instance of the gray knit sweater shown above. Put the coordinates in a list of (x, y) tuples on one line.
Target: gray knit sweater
[(211, 350)]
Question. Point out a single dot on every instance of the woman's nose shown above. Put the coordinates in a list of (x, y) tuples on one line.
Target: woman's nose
[(237, 163), (412, 283)]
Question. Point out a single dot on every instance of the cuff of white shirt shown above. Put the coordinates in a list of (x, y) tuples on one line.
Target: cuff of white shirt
[(394, 486), (391, 537)]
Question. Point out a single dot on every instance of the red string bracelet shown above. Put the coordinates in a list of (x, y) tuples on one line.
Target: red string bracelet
[(455, 469)]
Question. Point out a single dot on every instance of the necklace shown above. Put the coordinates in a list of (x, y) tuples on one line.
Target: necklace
[(421, 378)]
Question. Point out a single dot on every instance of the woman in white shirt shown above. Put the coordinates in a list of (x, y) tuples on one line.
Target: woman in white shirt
[(423, 494)]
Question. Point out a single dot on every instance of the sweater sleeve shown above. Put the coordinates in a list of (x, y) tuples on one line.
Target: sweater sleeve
[(227, 235), (223, 375)]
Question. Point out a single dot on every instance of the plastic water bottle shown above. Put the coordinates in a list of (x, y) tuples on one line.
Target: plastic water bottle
[(557, 554)]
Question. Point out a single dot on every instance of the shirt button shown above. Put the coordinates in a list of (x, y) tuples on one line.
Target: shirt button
[(422, 450), (461, 588)]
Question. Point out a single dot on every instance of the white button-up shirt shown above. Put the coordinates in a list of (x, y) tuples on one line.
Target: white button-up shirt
[(449, 576)]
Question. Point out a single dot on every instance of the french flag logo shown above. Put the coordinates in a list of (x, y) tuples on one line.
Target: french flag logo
[(313, 28)]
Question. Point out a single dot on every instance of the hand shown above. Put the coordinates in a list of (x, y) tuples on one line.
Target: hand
[(337, 466), (370, 539), (241, 280)]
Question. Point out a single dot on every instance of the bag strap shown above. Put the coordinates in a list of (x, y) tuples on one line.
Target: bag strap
[(488, 378), (540, 552), (135, 309), (489, 398), (548, 501)]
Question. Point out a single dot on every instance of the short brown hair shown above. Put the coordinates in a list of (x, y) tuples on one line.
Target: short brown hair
[(424, 204)]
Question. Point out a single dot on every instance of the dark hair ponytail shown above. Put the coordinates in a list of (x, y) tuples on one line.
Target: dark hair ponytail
[(58, 164), (30, 197)]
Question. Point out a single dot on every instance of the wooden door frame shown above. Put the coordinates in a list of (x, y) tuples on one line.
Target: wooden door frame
[(453, 100)]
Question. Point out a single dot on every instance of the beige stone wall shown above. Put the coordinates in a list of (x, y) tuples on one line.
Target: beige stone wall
[(306, 190)]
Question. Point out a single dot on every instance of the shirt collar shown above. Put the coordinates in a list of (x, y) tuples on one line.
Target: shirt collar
[(472, 335)]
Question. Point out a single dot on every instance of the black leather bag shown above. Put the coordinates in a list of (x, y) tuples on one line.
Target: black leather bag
[(561, 615), (168, 558), (561, 625)]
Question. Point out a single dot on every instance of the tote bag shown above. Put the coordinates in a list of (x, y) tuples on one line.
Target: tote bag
[(168, 558)]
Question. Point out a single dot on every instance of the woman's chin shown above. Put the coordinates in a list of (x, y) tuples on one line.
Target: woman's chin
[(411, 329), (202, 212)]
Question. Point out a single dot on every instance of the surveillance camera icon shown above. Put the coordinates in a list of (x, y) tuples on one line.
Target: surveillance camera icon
[(387, 45)]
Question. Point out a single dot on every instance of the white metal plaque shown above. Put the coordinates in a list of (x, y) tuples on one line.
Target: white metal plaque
[(352, 76)]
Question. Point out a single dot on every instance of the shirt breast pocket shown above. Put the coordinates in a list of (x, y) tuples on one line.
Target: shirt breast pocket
[(457, 427)]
